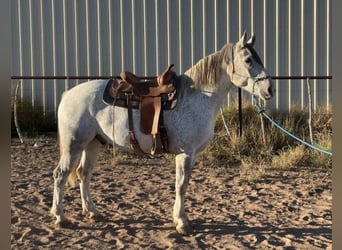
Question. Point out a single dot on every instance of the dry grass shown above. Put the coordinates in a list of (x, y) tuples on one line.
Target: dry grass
[(32, 120), (251, 171), (278, 151), (294, 156)]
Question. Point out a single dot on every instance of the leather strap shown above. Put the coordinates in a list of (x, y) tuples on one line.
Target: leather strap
[(159, 141), (157, 108), (133, 140), (156, 143), (163, 133)]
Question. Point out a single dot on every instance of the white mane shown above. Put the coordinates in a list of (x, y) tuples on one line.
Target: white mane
[(207, 71)]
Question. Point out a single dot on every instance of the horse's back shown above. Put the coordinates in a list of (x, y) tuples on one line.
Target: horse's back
[(83, 91)]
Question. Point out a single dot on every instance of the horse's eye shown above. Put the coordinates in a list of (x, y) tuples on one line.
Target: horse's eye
[(248, 61)]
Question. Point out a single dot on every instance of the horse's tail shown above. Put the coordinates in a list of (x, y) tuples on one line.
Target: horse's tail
[(72, 178)]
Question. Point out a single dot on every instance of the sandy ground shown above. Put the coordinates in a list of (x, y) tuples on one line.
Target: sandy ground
[(282, 210)]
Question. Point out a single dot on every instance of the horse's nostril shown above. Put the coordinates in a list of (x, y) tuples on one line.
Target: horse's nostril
[(270, 91)]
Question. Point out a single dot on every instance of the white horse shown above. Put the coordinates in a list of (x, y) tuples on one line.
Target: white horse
[(83, 116)]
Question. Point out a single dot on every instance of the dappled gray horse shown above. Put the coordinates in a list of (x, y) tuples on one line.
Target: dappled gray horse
[(83, 117)]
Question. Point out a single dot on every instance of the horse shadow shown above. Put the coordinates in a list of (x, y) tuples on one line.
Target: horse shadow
[(238, 229)]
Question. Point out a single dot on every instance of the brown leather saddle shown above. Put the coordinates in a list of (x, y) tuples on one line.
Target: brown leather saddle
[(151, 95)]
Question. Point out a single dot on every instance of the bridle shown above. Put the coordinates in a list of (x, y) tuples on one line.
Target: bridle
[(255, 79)]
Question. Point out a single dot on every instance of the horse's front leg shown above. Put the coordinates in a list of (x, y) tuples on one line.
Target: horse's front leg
[(183, 171)]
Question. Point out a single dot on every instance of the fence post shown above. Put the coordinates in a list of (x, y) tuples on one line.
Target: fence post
[(310, 109), (240, 111), (15, 113)]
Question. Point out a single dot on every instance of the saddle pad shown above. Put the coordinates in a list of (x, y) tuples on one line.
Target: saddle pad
[(107, 95)]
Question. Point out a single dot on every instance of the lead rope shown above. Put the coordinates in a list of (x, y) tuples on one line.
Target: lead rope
[(258, 103), (224, 123), (262, 112)]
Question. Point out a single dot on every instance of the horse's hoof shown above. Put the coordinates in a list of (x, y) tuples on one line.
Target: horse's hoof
[(53, 211), (185, 229), (96, 217), (64, 224)]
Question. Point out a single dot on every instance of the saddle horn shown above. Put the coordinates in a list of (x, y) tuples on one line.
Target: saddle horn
[(167, 76)]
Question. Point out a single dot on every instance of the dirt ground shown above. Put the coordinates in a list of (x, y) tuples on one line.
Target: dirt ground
[(289, 209)]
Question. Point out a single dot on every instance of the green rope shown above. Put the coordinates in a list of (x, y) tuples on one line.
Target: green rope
[(262, 111)]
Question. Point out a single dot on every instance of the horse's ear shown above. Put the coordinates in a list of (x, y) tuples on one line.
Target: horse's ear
[(251, 40), (242, 40)]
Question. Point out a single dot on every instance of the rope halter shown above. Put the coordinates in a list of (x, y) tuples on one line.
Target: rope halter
[(231, 68)]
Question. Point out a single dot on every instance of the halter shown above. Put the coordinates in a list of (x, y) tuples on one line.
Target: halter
[(255, 79)]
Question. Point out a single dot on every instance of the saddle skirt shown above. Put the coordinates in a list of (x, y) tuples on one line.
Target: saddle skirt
[(151, 95)]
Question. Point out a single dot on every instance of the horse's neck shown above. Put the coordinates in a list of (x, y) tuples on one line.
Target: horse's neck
[(210, 96), (220, 92), (209, 80)]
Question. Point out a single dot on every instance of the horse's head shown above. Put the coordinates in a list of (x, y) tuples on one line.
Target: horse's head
[(247, 71)]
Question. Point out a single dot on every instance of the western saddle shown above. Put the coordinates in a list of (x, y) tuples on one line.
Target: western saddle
[(151, 95)]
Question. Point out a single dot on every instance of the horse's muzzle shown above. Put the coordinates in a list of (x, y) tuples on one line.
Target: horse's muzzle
[(269, 93)]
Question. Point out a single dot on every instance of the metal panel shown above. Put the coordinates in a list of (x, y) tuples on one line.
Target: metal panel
[(90, 37)]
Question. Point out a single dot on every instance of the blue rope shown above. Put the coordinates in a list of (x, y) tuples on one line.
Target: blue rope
[(262, 111)]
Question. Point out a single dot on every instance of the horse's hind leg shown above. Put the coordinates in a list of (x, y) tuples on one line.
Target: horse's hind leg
[(68, 161), (84, 171), (183, 171)]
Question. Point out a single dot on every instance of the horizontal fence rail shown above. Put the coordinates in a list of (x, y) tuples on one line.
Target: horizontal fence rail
[(147, 77), (301, 77)]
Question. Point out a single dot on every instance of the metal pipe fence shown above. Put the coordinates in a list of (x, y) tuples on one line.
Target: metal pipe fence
[(109, 77)]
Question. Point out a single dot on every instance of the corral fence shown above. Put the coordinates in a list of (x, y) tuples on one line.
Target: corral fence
[(58, 44)]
